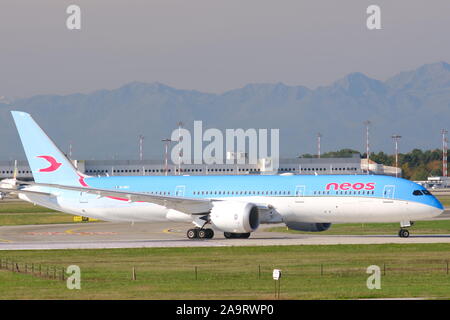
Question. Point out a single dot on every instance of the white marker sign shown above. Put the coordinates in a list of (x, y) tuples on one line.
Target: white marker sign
[(276, 274)]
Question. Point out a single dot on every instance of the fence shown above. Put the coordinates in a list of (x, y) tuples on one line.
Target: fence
[(258, 271), (37, 270)]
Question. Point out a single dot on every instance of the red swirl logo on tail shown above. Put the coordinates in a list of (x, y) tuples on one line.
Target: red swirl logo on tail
[(54, 165)]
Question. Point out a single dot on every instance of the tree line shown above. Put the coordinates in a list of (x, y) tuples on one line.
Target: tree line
[(415, 165)]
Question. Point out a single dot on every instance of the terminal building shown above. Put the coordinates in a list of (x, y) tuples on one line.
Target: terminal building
[(301, 166)]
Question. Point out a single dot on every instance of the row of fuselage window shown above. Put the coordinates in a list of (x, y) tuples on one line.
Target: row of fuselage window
[(189, 170), (267, 193), (330, 169), (350, 192), (169, 170), (213, 170), (244, 193)]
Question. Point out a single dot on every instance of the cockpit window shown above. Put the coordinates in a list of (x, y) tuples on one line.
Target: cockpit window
[(417, 193), (428, 193)]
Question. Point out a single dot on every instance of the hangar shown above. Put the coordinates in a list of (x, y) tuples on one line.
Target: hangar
[(307, 166)]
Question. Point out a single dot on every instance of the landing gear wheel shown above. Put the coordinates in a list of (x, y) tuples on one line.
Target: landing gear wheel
[(203, 233), (230, 235), (403, 233), (209, 233), (192, 233), (200, 233)]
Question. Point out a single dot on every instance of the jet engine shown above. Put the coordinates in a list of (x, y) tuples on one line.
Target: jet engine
[(309, 227), (235, 217)]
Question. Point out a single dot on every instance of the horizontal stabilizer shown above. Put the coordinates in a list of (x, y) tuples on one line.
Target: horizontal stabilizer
[(18, 191)]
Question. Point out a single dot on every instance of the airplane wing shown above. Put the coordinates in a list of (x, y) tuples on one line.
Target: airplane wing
[(183, 204)]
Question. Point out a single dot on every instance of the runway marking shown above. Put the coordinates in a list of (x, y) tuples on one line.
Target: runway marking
[(71, 232), (172, 231), (88, 233), (4, 240)]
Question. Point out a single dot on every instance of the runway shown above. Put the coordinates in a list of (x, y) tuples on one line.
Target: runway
[(102, 235)]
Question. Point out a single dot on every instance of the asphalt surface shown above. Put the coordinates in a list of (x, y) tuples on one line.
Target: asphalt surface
[(98, 235)]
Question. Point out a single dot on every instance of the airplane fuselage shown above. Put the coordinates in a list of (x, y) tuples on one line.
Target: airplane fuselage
[(312, 199)]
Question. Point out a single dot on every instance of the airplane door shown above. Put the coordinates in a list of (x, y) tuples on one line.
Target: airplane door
[(83, 197), (300, 191), (299, 196), (179, 191), (388, 192)]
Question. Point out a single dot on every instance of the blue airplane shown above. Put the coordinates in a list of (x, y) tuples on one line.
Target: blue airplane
[(235, 205)]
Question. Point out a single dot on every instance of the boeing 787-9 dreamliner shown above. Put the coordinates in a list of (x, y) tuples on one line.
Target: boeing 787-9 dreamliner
[(234, 204)]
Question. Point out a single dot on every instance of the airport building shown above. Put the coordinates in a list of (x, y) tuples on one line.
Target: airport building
[(306, 166), (435, 182)]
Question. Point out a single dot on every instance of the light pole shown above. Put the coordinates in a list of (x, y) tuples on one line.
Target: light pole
[(396, 138), (70, 150), (180, 152), (367, 124), (166, 143), (319, 135), (141, 142), (444, 152)]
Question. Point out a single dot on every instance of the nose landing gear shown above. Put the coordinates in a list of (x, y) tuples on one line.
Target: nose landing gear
[(404, 233)]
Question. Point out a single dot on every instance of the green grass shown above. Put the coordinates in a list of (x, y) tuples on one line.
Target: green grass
[(21, 207), (419, 227), (24, 213), (10, 219), (416, 270)]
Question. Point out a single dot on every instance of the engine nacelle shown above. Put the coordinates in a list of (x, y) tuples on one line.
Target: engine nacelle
[(309, 227), (235, 217)]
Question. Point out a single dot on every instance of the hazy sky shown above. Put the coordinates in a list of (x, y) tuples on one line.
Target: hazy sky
[(212, 45)]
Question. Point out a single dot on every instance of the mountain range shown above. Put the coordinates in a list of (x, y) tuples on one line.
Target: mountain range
[(105, 124)]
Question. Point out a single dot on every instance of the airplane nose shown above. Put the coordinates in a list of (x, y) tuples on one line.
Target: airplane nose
[(437, 204), (436, 211)]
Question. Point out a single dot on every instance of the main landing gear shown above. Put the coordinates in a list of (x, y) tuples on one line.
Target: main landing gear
[(404, 233), (200, 233)]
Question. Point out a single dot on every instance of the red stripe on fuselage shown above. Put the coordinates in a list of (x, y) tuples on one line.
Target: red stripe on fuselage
[(84, 184)]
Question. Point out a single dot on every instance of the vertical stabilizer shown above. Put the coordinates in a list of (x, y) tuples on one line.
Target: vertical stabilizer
[(48, 164)]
